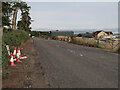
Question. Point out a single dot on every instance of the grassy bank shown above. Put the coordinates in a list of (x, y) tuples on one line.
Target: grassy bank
[(91, 42), (12, 38), (118, 50), (85, 42)]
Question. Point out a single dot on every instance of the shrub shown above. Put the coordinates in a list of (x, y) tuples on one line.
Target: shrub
[(44, 36), (35, 33), (15, 38), (53, 37)]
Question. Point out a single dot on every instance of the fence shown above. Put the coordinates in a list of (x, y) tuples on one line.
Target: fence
[(110, 44)]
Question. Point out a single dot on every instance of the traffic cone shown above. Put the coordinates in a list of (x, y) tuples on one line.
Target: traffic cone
[(14, 53), (69, 40), (65, 39), (18, 60), (11, 60), (48, 38), (19, 52)]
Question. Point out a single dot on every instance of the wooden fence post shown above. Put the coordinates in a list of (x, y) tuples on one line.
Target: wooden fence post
[(7, 46), (112, 44), (98, 41)]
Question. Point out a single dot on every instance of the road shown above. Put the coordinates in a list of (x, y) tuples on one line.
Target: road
[(74, 66)]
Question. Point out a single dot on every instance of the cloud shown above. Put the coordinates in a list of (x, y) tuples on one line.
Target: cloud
[(74, 15)]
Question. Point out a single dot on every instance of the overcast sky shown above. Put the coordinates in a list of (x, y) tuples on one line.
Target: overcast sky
[(74, 16)]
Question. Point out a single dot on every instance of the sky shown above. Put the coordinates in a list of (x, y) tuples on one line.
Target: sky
[(74, 15)]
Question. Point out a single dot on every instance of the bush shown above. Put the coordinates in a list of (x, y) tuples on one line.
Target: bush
[(53, 37), (15, 38), (35, 33), (44, 36), (12, 38)]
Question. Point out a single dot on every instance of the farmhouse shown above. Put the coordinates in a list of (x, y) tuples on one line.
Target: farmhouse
[(100, 34), (61, 33)]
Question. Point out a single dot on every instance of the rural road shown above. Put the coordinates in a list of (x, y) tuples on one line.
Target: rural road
[(74, 66)]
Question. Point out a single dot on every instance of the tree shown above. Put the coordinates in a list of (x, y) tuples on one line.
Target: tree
[(24, 23), (14, 19), (16, 6), (87, 33), (6, 14), (79, 35), (12, 8)]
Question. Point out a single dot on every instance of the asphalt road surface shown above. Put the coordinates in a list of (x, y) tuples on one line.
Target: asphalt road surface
[(74, 66)]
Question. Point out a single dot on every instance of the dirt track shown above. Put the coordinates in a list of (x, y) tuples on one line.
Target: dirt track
[(25, 74)]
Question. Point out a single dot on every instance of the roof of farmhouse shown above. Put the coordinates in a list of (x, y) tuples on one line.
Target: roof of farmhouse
[(101, 31)]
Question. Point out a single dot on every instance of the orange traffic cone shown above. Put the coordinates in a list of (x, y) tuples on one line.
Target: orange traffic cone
[(18, 60), (11, 60), (65, 39), (69, 40), (19, 52), (14, 53), (48, 38)]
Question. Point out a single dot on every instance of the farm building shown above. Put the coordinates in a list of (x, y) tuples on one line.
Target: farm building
[(100, 34), (61, 33)]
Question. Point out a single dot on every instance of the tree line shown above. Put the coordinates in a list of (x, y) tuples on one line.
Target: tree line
[(10, 13)]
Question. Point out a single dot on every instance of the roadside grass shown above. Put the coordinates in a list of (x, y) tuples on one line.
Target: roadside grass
[(11, 38), (62, 38), (5, 57), (79, 41), (91, 42), (118, 50), (85, 42)]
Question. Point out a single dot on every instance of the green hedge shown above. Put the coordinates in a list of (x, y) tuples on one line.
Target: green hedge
[(35, 33), (12, 38), (15, 38)]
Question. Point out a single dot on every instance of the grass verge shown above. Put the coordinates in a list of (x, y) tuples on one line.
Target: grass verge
[(12, 38)]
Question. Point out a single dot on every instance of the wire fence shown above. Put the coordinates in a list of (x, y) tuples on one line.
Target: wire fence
[(112, 44)]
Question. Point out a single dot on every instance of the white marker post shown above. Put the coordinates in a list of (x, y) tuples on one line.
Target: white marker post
[(8, 49)]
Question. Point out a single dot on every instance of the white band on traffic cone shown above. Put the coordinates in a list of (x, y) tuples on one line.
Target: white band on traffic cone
[(11, 59), (14, 53)]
